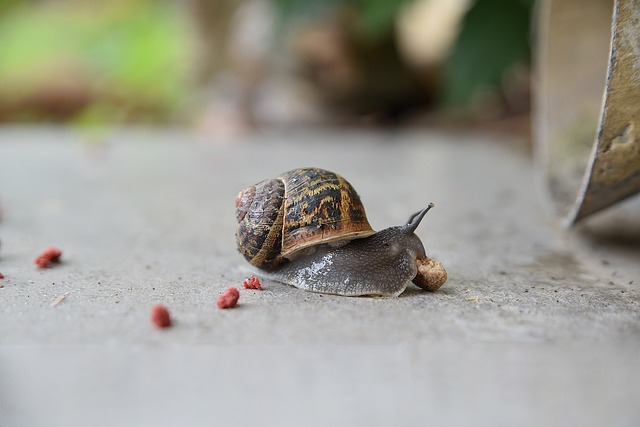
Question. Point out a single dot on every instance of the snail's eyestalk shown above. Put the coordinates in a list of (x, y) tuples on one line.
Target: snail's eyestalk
[(431, 275), (415, 219)]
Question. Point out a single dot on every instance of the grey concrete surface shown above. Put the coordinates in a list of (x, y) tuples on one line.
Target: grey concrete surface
[(535, 326)]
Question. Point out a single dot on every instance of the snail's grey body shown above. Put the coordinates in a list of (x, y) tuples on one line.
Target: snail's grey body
[(383, 264)]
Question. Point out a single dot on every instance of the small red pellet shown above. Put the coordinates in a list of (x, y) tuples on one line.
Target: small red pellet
[(1, 276), (252, 283), (160, 316), (49, 255), (229, 299)]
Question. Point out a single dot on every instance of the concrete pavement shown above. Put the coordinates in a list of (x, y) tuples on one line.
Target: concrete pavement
[(535, 326)]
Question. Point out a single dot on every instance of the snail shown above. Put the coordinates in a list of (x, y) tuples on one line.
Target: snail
[(308, 228)]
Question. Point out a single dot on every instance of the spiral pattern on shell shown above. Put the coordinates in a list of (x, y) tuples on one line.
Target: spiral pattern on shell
[(278, 218)]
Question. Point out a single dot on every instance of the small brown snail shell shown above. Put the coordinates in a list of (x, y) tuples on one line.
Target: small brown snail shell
[(308, 228), (279, 218)]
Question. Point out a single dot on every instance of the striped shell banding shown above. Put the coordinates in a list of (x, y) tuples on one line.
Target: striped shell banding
[(280, 218)]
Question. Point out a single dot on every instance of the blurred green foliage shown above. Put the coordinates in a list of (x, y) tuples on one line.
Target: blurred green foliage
[(132, 60), (130, 57), (495, 36)]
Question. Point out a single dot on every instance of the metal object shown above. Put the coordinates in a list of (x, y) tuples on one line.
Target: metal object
[(587, 112)]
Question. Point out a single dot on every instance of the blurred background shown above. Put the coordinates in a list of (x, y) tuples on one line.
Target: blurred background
[(241, 65)]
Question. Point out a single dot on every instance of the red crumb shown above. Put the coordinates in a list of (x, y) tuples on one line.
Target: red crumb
[(1, 276), (252, 283), (229, 298), (160, 316), (49, 255)]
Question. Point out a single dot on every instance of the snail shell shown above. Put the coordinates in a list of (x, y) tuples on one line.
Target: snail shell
[(278, 219)]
